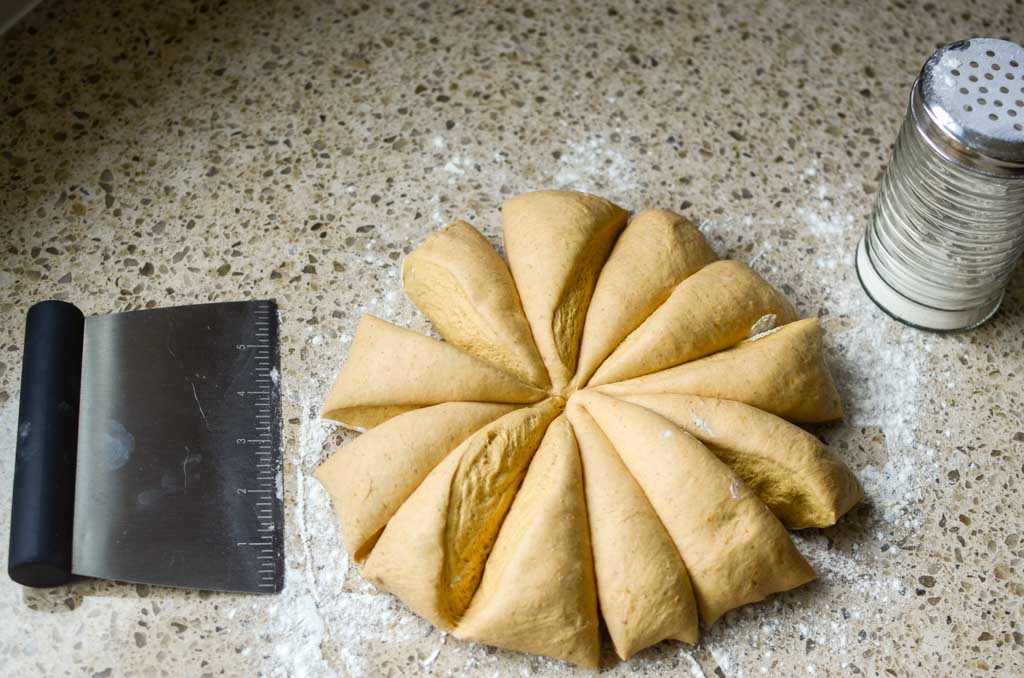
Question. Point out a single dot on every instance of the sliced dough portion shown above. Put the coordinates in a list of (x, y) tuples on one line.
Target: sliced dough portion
[(735, 550), (390, 370), (432, 552), (556, 243), (657, 250), (537, 593), (458, 281), (717, 307), (789, 469), (642, 584), (370, 477), (782, 372)]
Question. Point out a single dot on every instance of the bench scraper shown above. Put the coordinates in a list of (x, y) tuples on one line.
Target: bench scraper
[(149, 448)]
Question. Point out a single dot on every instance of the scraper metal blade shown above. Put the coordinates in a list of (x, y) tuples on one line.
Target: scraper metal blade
[(177, 478)]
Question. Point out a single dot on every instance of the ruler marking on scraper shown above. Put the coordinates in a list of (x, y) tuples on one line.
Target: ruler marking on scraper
[(267, 470)]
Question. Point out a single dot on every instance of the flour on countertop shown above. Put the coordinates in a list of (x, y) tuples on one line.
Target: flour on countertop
[(695, 670), (296, 621), (316, 609), (880, 376), (595, 166), (458, 165), (826, 227), (432, 658)]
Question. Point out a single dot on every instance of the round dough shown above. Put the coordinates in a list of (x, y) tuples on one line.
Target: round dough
[(660, 498)]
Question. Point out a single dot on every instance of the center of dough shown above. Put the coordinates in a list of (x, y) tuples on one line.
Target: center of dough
[(563, 394)]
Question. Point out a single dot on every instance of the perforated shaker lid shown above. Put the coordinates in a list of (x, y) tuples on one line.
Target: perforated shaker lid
[(969, 103)]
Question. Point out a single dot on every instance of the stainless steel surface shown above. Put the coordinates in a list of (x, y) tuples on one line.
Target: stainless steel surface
[(179, 449), (969, 104), (948, 223)]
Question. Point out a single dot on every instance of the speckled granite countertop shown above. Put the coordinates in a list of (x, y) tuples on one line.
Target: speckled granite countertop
[(177, 152)]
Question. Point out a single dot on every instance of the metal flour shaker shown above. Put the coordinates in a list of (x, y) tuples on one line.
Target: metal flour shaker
[(948, 222)]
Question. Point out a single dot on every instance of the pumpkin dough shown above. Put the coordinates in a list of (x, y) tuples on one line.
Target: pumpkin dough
[(432, 552), (556, 243), (537, 593), (655, 501), (458, 281), (734, 549), (789, 469), (370, 477), (717, 307), (782, 371), (646, 597), (667, 249), (391, 370)]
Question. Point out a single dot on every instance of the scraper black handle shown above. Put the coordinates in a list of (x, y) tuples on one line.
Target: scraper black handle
[(44, 467)]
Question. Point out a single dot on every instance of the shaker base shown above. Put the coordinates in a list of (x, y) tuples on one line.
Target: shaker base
[(910, 312)]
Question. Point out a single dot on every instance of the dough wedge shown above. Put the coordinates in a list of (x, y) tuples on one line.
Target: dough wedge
[(459, 282), (537, 594), (790, 470), (391, 370), (782, 372), (370, 477), (717, 307), (642, 584), (658, 250), (556, 243), (433, 550)]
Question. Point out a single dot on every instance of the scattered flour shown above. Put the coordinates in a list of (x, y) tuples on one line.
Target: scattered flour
[(826, 227), (762, 335), (702, 425), (765, 249), (722, 658), (695, 669), (595, 166), (432, 658), (455, 166), (315, 609), (436, 215), (295, 620), (763, 324), (879, 371), (298, 631), (946, 66), (882, 383)]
